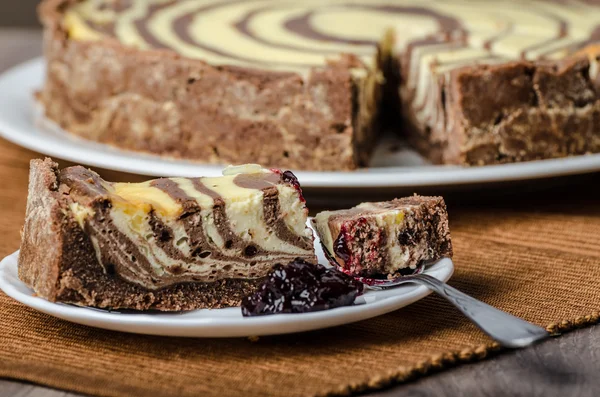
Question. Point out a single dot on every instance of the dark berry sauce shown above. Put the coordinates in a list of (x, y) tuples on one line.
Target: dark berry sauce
[(300, 287)]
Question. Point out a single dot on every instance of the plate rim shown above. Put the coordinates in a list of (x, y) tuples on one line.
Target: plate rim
[(152, 324), (82, 151)]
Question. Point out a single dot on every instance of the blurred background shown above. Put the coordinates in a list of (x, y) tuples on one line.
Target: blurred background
[(20, 32), (18, 13)]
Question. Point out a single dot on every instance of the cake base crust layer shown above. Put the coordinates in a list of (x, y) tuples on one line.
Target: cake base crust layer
[(59, 262)]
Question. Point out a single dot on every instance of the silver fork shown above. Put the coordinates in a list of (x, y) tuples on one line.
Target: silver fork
[(506, 329)]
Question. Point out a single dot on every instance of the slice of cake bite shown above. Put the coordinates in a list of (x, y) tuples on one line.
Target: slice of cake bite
[(169, 244), (387, 238)]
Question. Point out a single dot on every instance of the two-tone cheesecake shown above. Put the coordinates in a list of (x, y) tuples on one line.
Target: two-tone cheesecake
[(309, 85), (382, 239), (166, 244)]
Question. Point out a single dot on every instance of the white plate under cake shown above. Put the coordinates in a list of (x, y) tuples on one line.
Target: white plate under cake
[(221, 323)]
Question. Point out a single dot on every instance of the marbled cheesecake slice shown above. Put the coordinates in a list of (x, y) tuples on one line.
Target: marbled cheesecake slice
[(386, 238), (167, 244)]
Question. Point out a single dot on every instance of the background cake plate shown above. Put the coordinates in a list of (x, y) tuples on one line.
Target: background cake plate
[(394, 164), (221, 323)]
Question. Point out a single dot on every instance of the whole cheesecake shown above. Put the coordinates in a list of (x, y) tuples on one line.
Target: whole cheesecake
[(312, 84), (169, 244)]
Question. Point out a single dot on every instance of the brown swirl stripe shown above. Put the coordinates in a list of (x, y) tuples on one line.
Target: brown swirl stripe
[(141, 26), (301, 26), (181, 26), (271, 207), (201, 245), (82, 181), (124, 258), (230, 238), (298, 25), (176, 193)]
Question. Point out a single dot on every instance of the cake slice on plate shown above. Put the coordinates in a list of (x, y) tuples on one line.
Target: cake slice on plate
[(169, 244), (387, 238)]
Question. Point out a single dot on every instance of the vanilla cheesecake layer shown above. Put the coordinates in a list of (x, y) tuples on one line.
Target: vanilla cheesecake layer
[(174, 230)]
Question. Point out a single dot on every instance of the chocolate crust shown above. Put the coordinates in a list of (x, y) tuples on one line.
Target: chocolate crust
[(160, 102), (57, 260)]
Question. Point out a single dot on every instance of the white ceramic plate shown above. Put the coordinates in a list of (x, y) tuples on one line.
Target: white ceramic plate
[(222, 323), (399, 168)]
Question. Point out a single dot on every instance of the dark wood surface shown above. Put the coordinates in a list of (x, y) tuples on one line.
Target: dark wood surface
[(565, 366), (568, 366)]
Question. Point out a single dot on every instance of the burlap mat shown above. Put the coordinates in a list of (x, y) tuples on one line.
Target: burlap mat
[(538, 262)]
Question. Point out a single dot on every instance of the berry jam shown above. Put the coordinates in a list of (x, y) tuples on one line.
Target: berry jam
[(300, 287)]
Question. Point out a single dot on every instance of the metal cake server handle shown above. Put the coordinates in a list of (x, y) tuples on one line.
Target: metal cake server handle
[(504, 328)]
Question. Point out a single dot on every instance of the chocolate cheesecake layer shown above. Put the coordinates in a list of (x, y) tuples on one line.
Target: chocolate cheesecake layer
[(167, 244), (385, 238)]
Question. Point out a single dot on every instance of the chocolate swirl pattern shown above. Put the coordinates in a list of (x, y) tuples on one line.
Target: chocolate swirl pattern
[(293, 35), (175, 230)]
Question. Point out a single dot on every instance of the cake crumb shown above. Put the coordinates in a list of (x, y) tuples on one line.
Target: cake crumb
[(253, 339)]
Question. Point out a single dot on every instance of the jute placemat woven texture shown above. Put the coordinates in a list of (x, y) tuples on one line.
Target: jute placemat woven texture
[(540, 262)]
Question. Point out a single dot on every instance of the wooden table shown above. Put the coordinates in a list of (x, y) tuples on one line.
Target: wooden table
[(567, 366)]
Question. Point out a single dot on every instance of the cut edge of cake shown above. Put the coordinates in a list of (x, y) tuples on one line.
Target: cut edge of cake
[(504, 111)]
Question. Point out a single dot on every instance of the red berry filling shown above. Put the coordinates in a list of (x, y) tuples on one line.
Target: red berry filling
[(360, 245)]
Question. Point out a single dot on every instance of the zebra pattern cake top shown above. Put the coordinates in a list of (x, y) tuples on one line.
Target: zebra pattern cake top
[(297, 35)]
